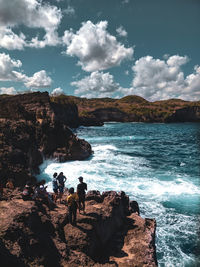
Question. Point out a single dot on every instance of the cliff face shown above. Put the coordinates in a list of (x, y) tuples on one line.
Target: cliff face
[(33, 128), (109, 234), (132, 108), (188, 114)]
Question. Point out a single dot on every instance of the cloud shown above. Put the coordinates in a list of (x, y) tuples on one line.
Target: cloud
[(98, 84), (8, 91), (8, 72), (7, 67), (156, 79), (95, 47), (69, 11), (10, 40), (126, 72), (33, 14), (38, 80), (192, 90), (121, 31), (125, 1), (153, 79), (57, 91)]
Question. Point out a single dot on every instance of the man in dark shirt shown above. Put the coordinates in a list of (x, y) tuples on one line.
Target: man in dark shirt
[(81, 187), (61, 184)]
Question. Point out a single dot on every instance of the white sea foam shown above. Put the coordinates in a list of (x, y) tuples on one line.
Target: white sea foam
[(165, 195)]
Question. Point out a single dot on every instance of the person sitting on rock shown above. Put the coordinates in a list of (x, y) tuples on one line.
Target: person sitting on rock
[(81, 187), (28, 192), (72, 203), (61, 184), (55, 187), (10, 184), (41, 192)]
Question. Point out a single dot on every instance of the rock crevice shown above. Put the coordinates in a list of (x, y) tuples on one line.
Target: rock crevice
[(109, 234)]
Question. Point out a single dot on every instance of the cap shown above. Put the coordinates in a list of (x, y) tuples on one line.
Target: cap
[(80, 178)]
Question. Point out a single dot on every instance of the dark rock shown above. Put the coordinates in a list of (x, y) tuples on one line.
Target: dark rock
[(188, 114), (94, 195), (134, 207), (33, 235), (109, 114), (32, 128), (90, 121)]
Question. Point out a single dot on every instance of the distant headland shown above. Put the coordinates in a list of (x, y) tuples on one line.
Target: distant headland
[(96, 111)]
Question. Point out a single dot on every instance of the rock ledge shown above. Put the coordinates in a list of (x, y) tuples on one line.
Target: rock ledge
[(109, 234)]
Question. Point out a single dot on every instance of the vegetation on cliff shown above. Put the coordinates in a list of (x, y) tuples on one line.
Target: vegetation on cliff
[(131, 108)]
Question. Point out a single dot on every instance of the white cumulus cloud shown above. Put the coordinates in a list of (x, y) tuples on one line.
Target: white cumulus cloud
[(121, 31), (97, 84), (7, 67), (57, 91), (95, 47), (38, 80), (33, 14), (10, 40), (156, 79), (8, 72), (8, 90)]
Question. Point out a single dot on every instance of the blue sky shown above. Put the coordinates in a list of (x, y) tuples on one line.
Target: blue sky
[(93, 48)]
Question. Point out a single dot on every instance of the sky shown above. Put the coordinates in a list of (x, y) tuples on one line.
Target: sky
[(107, 48)]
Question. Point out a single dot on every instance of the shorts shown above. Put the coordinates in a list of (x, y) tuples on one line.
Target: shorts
[(55, 190), (61, 189), (81, 198)]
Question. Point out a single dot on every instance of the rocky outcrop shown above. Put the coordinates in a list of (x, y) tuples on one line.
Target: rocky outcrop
[(107, 235), (188, 114), (32, 128)]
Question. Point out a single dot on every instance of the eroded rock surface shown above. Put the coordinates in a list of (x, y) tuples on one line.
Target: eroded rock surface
[(32, 128), (107, 235)]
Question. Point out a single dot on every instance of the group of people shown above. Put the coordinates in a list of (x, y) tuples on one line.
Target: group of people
[(58, 184), (74, 200), (38, 193)]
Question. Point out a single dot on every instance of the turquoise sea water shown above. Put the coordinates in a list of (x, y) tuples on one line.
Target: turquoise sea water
[(157, 165)]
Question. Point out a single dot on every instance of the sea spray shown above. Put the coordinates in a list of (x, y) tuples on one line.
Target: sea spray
[(156, 165)]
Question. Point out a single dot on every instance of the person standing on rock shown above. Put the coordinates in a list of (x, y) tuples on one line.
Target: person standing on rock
[(55, 187), (72, 203), (61, 184), (81, 188)]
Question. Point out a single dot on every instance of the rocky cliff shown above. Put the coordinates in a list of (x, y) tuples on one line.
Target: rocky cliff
[(187, 114), (111, 233), (133, 109), (32, 128)]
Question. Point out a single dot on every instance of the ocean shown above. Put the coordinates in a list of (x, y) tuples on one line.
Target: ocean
[(158, 165)]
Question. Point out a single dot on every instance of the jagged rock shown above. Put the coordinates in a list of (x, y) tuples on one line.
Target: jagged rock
[(134, 207), (33, 235), (32, 128), (94, 195)]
